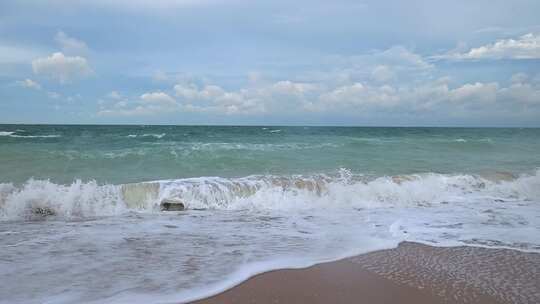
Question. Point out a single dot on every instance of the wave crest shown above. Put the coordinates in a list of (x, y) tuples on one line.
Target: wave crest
[(37, 198)]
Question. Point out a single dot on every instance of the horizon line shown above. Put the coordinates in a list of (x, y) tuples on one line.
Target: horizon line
[(270, 125)]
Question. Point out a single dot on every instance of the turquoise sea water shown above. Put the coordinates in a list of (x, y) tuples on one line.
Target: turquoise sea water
[(120, 154), (80, 216)]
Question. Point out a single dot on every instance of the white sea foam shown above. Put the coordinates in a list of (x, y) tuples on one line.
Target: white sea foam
[(126, 251), (77, 200), (345, 190), (6, 133), (243, 273), (263, 192)]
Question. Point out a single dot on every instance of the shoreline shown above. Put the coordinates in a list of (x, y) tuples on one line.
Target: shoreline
[(410, 273)]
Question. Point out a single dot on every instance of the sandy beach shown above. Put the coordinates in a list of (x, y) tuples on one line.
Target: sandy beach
[(411, 273)]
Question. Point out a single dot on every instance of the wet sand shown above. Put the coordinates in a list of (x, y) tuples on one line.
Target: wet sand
[(411, 273)]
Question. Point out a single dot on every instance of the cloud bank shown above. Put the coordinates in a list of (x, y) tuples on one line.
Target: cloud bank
[(524, 47), (62, 68), (304, 62)]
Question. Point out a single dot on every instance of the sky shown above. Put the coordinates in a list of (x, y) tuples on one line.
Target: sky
[(365, 63)]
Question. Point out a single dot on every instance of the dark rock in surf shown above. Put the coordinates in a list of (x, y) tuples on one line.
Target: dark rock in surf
[(171, 205), (43, 211)]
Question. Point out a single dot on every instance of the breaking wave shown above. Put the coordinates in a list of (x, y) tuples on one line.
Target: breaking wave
[(40, 198)]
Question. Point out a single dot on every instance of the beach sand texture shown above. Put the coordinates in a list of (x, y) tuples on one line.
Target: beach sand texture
[(411, 273)]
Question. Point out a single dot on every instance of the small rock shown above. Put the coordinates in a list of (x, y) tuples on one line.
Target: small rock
[(171, 205), (43, 211)]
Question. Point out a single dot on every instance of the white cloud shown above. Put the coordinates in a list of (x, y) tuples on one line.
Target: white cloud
[(212, 98), (476, 92), (435, 96), (358, 95), (401, 56), (215, 99), (29, 83), (382, 73), (151, 103), (211, 92), (158, 99), (357, 98), (288, 87), (524, 47), (521, 93), (281, 95), (62, 68), (187, 91), (71, 45)]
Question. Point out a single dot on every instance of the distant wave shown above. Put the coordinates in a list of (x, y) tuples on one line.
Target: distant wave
[(482, 140), (36, 136), (206, 146), (13, 134), (147, 135), (261, 192)]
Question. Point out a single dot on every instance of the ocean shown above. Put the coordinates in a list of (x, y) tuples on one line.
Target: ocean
[(80, 216)]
